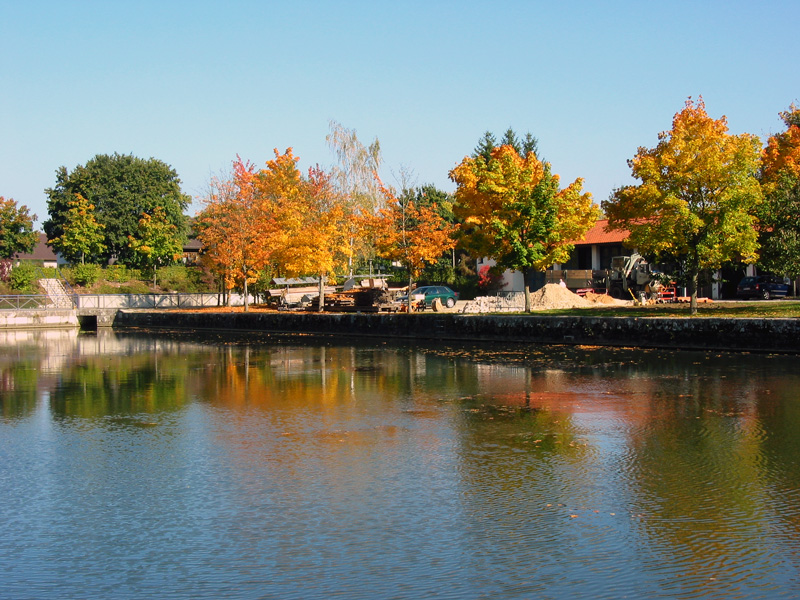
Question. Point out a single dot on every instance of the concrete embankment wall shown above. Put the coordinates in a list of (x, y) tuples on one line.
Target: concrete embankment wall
[(778, 335), (24, 319)]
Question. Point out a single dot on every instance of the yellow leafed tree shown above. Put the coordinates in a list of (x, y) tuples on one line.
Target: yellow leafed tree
[(318, 227), (697, 196), (514, 211), (779, 214)]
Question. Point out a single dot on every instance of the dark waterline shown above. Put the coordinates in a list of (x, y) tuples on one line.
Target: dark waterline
[(211, 466)]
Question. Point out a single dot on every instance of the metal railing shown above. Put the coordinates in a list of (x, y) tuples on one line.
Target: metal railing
[(24, 302), (109, 301)]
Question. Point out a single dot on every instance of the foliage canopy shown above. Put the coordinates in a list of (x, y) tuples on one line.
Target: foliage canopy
[(157, 243), (514, 211), (779, 230), (121, 188), (16, 228), (697, 196), (81, 234), (413, 231), (275, 218)]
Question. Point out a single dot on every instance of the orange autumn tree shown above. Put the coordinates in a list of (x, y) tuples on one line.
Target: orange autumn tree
[(410, 234), (238, 228), (276, 217), (314, 220), (319, 226), (782, 154), (779, 214)]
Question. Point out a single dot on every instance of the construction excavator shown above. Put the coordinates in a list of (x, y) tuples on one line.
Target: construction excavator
[(632, 276)]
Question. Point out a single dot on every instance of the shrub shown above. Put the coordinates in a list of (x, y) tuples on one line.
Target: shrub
[(5, 269), (120, 273), (23, 278), (489, 280), (467, 286), (441, 272), (83, 275), (179, 278)]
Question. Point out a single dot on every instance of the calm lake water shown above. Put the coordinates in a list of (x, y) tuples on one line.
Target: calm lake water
[(180, 466)]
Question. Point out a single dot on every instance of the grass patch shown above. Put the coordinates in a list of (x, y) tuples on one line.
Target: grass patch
[(779, 309)]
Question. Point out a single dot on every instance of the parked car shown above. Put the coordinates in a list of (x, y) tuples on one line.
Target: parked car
[(762, 286), (425, 295)]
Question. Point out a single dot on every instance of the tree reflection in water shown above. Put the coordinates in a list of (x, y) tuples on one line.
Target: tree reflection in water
[(294, 467)]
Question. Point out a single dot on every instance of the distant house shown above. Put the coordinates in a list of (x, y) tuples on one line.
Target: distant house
[(597, 248), (594, 251), (191, 251), (42, 255)]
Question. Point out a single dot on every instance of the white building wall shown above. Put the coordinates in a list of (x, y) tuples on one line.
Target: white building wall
[(511, 281)]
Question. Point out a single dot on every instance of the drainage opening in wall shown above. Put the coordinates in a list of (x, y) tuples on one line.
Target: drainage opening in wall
[(88, 322)]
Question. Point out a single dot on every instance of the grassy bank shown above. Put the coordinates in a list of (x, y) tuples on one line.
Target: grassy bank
[(774, 309)]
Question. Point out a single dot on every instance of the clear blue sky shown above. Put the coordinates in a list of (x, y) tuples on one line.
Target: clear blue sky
[(194, 83)]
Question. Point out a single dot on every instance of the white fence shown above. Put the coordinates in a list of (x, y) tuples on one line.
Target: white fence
[(115, 301)]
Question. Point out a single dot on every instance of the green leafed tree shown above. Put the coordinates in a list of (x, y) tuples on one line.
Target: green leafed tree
[(779, 229), (158, 242), (697, 196), (81, 235), (16, 229), (485, 146), (523, 146), (121, 188)]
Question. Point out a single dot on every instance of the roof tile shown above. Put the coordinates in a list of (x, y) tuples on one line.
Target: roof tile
[(598, 234)]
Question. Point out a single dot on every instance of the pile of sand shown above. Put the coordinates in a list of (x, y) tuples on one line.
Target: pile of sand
[(551, 296), (556, 296), (605, 299)]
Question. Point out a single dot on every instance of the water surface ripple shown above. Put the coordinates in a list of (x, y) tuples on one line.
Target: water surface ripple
[(179, 467)]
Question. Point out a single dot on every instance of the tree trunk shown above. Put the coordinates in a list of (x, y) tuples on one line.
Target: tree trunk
[(321, 298), (526, 286), (245, 293), (694, 273), (693, 293), (410, 282)]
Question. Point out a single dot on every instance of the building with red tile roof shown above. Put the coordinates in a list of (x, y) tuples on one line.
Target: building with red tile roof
[(596, 249), (600, 234)]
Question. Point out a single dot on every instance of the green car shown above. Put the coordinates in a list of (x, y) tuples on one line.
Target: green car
[(429, 293)]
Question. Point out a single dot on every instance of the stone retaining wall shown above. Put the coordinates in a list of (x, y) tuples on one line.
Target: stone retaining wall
[(781, 335)]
